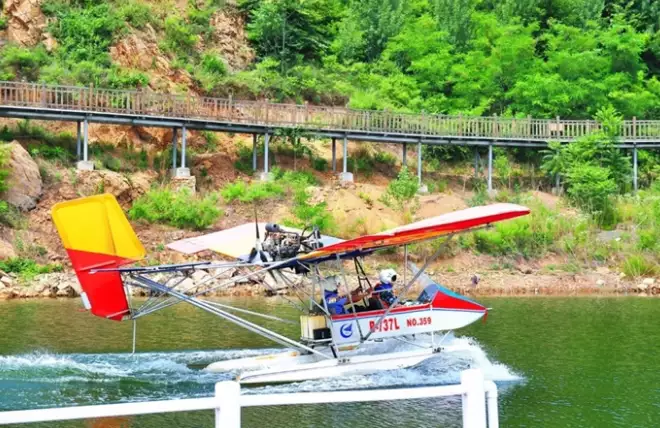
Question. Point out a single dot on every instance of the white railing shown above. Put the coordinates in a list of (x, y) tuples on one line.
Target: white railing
[(228, 402)]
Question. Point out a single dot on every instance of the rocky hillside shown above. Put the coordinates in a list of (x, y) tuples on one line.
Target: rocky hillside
[(478, 58)]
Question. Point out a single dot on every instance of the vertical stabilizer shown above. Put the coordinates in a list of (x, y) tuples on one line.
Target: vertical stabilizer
[(97, 235)]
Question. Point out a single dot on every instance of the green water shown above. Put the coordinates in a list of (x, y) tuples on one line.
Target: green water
[(558, 362)]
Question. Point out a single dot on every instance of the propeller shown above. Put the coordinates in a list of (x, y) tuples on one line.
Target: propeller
[(257, 249)]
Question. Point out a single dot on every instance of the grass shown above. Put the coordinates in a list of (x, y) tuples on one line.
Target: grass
[(367, 199), (179, 209), (4, 166), (531, 236), (26, 269), (248, 193), (292, 183), (637, 265)]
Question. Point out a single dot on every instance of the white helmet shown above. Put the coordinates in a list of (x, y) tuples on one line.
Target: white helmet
[(330, 283), (387, 276)]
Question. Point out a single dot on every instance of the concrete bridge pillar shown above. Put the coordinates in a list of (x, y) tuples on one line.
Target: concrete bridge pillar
[(254, 152), (264, 175), (334, 154), (174, 144), (183, 171), (85, 164), (345, 176), (422, 187), (405, 155), (78, 141), (490, 167), (476, 162), (635, 168)]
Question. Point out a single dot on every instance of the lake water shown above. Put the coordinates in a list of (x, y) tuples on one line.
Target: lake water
[(558, 362)]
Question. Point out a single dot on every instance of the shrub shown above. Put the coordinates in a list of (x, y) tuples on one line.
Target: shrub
[(590, 188), (138, 14), (529, 236), (26, 268), (179, 209), (244, 161), (320, 164), (4, 166), (17, 62), (385, 158), (401, 190), (442, 186), (211, 140), (85, 34), (51, 153), (310, 214), (179, 37), (296, 178), (210, 71), (637, 265), (257, 191)]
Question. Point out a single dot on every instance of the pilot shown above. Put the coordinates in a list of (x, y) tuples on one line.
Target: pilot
[(383, 290), (335, 302)]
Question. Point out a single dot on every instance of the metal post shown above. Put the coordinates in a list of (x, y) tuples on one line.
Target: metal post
[(635, 167), (345, 155), (174, 138), (490, 167), (334, 155), (254, 152), (78, 141), (476, 161), (228, 412), (183, 147), (266, 141), (474, 399), (86, 139), (419, 163), (405, 153)]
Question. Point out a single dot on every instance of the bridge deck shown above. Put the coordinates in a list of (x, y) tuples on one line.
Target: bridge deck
[(146, 108)]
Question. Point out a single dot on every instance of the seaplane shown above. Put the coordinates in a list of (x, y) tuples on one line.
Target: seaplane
[(336, 339)]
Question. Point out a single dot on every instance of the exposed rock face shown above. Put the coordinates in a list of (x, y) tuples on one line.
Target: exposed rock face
[(6, 249), (140, 51), (124, 189), (25, 186), (25, 21), (230, 40)]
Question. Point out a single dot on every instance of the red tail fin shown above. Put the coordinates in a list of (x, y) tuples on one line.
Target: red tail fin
[(97, 235)]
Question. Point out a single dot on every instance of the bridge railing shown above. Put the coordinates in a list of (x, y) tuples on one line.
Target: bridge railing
[(479, 403), (148, 103)]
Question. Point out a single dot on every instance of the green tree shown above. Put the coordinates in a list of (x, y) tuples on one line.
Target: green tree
[(455, 18), (368, 26), (293, 30)]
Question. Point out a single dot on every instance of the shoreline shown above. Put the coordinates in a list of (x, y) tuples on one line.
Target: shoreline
[(490, 284)]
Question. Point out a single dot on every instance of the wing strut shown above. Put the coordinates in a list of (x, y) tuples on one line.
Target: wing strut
[(201, 304), (412, 281)]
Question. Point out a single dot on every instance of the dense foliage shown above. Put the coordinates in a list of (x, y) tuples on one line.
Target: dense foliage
[(513, 57), (176, 208)]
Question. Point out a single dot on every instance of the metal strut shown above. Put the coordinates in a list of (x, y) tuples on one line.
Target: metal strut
[(405, 289), (201, 304)]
